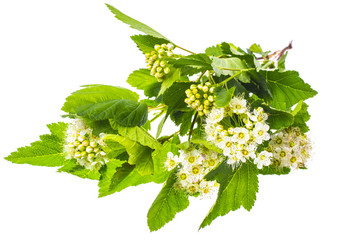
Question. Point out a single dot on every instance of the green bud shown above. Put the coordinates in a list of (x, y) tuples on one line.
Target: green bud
[(83, 154), (93, 144), (166, 70), (205, 89), (91, 156), (159, 69), (163, 63), (205, 96), (86, 143), (170, 46), (81, 147), (156, 63), (208, 84), (163, 46), (197, 103), (211, 98), (192, 98), (96, 149), (169, 54), (89, 149), (212, 89), (157, 47), (200, 86), (77, 154), (201, 113), (207, 102), (198, 95), (193, 86), (200, 108), (188, 92), (195, 91)]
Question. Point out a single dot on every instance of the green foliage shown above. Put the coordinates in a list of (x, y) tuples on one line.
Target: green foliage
[(170, 201), (238, 187), (287, 88), (223, 96), (170, 79), (124, 111), (72, 167), (92, 94), (46, 152), (146, 43), (301, 117), (184, 119), (134, 23), (230, 67), (198, 61), (174, 96), (139, 155), (142, 80), (271, 170)]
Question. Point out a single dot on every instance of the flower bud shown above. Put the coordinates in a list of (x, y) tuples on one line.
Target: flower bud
[(166, 70), (198, 95), (89, 149), (157, 47), (212, 89), (211, 98)]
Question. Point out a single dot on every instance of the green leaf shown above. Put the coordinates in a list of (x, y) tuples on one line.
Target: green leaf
[(231, 66), (301, 117), (46, 152), (91, 94), (184, 119), (256, 48), (134, 23), (237, 187), (169, 201), (142, 80), (146, 43), (287, 88), (223, 96), (161, 125), (138, 154), (124, 111), (170, 79), (118, 175), (214, 51), (201, 141), (276, 119), (281, 62), (199, 61), (137, 134), (72, 167), (271, 170), (174, 97)]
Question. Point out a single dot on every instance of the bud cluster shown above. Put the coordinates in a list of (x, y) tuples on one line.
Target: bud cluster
[(156, 62), (83, 146), (200, 97)]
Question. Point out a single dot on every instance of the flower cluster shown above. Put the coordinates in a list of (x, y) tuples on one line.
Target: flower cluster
[(290, 148), (83, 146), (156, 62), (200, 97), (194, 165), (238, 131)]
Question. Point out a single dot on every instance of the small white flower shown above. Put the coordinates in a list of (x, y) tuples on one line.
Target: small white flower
[(260, 132), (238, 105), (216, 115), (259, 115), (171, 161), (241, 135), (263, 159)]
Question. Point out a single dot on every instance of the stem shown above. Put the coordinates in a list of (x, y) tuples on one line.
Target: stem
[(192, 125), (185, 50), (157, 116), (168, 138), (236, 74)]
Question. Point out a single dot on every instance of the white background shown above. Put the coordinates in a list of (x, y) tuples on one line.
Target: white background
[(49, 48)]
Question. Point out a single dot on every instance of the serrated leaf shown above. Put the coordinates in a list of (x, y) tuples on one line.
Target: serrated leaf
[(184, 119), (137, 134), (223, 96), (287, 88), (277, 119), (118, 175), (138, 154), (160, 126), (174, 97), (256, 48), (146, 43), (199, 61), (142, 80), (301, 117), (231, 66), (92, 94), (238, 187), (281, 62), (72, 167), (46, 152), (214, 51), (124, 111), (134, 23), (170, 79), (271, 170), (169, 201)]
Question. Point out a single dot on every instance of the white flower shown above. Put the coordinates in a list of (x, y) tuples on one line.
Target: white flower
[(241, 135), (227, 146), (216, 115), (238, 105), (263, 159), (171, 161), (260, 132), (259, 115)]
